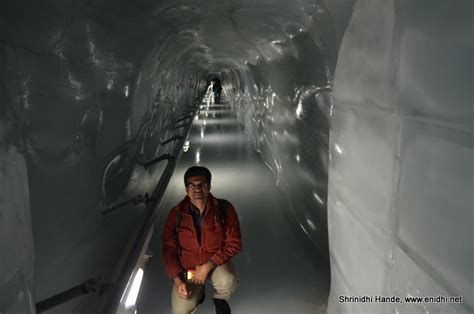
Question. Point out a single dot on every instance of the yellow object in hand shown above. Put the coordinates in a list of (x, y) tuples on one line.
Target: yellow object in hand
[(190, 274)]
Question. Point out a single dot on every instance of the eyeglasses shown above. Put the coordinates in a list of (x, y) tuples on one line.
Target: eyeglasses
[(200, 186)]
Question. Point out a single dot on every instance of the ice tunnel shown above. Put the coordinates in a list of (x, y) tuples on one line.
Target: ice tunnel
[(344, 139)]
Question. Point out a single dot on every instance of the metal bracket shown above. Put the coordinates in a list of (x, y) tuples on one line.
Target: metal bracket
[(184, 117), (149, 163), (91, 285), (174, 138), (183, 125), (139, 199)]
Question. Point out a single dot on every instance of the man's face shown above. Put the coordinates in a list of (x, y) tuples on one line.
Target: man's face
[(197, 188)]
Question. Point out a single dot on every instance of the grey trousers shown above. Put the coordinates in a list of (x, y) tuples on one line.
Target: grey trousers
[(224, 280)]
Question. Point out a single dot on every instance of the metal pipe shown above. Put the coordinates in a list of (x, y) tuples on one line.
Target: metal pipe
[(63, 297), (110, 303)]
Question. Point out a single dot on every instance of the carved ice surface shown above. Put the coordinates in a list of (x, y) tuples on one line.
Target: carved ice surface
[(401, 174), (362, 110)]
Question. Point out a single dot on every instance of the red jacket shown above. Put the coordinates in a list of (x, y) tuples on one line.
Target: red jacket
[(214, 246)]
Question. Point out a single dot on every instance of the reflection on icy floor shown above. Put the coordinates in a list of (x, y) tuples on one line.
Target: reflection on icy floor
[(279, 271)]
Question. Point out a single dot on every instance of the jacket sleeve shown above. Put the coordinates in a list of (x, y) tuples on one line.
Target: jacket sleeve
[(233, 242), (169, 246)]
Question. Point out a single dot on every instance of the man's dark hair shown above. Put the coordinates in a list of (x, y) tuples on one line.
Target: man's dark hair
[(197, 171)]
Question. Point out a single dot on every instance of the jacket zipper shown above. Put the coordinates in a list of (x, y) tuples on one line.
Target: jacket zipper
[(200, 258), (199, 241)]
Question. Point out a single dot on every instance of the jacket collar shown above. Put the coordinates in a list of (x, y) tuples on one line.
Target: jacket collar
[(185, 203)]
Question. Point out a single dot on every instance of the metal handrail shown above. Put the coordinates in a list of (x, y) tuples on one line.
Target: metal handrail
[(111, 303)]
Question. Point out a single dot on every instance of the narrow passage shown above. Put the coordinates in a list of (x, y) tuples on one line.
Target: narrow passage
[(279, 271)]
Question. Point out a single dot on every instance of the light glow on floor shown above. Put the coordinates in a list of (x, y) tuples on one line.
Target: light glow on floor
[(134, 289)]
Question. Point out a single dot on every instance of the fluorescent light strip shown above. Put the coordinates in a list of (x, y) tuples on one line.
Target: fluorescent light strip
[(134, 289)]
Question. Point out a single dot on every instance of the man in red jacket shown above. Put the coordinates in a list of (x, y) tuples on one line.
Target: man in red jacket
[(200, 237)]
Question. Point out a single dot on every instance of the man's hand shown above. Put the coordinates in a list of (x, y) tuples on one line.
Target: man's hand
[(201, 272), (181, 289)]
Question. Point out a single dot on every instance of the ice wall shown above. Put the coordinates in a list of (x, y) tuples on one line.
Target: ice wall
[(92, 89), (16, 239), (285, 113), (91, 97), (401, 157)]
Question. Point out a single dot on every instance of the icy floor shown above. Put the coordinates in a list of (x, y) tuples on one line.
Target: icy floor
[(279, 270)]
